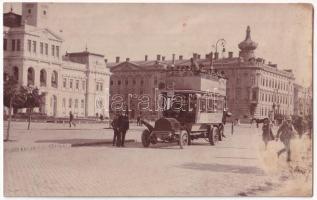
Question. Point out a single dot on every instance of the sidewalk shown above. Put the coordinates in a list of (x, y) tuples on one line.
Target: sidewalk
[(54, 135)]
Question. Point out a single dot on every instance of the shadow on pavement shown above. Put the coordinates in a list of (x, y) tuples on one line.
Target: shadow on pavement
[(75, 141), (172, 146), (214, 167)]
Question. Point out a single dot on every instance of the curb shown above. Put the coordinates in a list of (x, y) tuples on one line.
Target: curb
[(55, 146), (35, 147)]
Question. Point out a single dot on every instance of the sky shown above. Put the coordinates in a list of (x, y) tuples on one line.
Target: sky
[(283, 31)]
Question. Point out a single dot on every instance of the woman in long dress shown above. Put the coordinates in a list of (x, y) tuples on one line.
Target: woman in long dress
[(267, 134)]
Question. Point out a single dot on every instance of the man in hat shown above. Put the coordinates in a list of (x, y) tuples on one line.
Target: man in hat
[(123, 126), (285, 133), (115, 127)]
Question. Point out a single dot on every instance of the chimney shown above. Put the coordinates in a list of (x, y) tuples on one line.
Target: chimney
[(145, 57), (207, 56), (180, 57), (127, 59), (198, 56), (163, 58), (216, 55), (173, 59), (158, 57), (106, 60), (117, 59), (230, 54), (263, 61)]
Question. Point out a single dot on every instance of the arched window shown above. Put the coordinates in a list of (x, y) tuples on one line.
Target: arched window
[(30, 76), (54, 79), (70, 103), (42, 77), (16, 73)]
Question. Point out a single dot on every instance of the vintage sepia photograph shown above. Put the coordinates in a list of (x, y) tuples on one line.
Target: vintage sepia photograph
[(157, 99)]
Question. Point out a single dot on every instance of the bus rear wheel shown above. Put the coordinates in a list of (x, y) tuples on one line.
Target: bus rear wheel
[(213, 135), (146, 138)]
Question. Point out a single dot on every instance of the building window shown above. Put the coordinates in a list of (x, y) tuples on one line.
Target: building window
[(46, 49), (13, 45), (43, 77), (71, 83), (119, 82), (111, 82), (101, 87), (54, 79), (57, 51), (77, 84), (4, 44), (254, 95), (134, 82), (64, 103), (18, 44), (44, 12), (97, 86), (70, 103), (141, 82), (29, 11), (76, 103), (84, 85), (82, 103), (30, 76), (29, 45), (64, 82), (53, 50), (16, 73), (41, 48), (126, 82), (34, 46)]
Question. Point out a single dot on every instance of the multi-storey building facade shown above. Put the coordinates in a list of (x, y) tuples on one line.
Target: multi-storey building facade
[(254, 88), (77, 82), (302, 100)]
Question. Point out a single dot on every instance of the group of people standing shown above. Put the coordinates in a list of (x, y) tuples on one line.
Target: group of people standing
[(285, 133), (120, 126)]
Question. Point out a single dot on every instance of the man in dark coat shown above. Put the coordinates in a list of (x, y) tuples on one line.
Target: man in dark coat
[(123, 127), (299, 126), (115, 127), (286, 133), (71, 119)]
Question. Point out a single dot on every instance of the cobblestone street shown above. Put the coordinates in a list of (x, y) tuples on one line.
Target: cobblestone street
[(231, 167)]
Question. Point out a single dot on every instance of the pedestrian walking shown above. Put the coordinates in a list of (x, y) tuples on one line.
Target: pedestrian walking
[(123, 127), (138, 120), (286, 133), (299, 126), (267, 134), (225, 114), (71, 119), (115, 127)]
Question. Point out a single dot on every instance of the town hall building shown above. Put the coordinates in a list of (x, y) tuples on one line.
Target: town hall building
[(33, 55)]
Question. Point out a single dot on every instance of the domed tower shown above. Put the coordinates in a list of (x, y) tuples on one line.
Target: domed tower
[(247, 46)]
